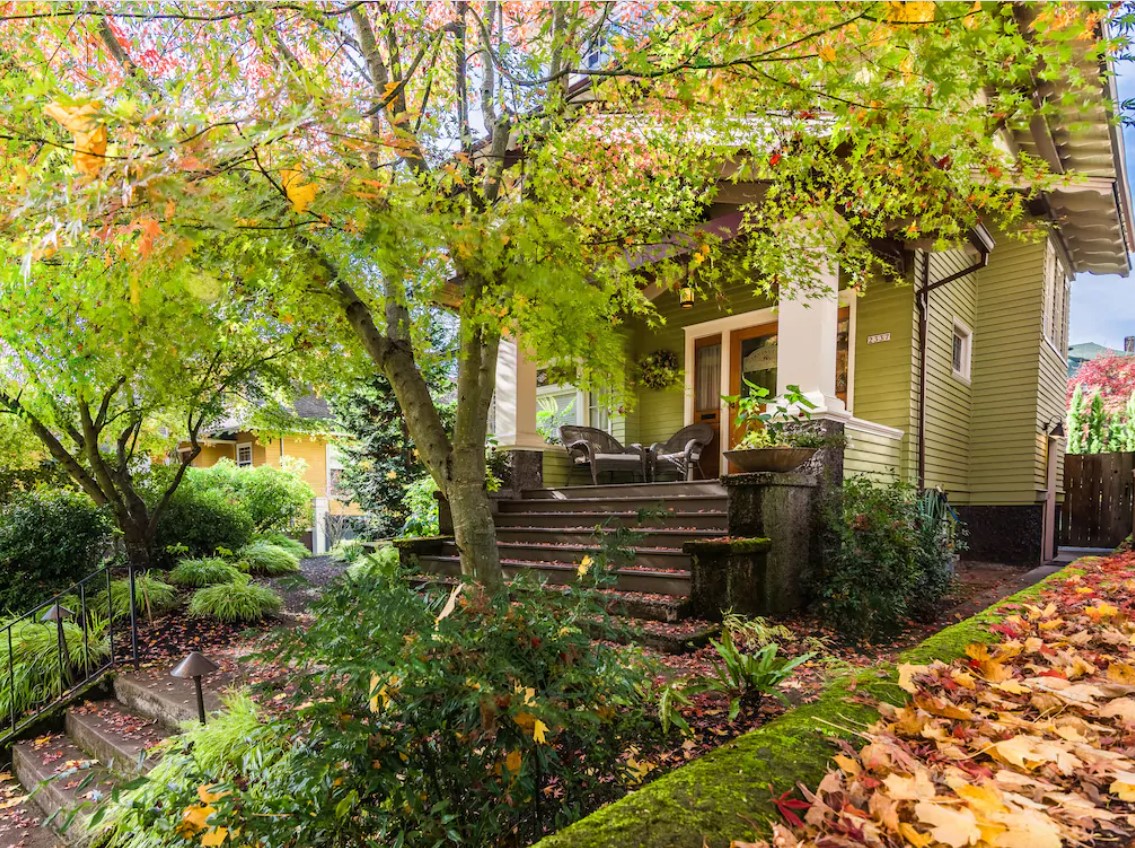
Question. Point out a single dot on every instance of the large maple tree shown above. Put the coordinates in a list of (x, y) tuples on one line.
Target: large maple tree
[(517, 161)]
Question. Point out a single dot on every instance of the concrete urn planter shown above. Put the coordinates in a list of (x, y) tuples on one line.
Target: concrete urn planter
[(778, 459)]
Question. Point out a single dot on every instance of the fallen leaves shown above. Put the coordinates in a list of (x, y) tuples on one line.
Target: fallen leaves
[(1027, 743)]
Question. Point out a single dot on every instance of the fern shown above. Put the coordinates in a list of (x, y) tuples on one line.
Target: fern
[(380, 565)]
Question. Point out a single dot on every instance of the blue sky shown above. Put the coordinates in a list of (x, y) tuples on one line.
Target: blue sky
[(1103, 308)]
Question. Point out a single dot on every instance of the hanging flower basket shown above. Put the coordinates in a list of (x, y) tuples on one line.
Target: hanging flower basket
[(659, 370)]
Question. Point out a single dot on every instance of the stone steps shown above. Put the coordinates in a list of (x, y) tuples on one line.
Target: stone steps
[(686, 503), (590, 519), (588, 537), (104, 743), (642, 491), (674, 583)]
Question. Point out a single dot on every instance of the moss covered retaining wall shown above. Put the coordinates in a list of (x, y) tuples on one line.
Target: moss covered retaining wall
[(727, 794)]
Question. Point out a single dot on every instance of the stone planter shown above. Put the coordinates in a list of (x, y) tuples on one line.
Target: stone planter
[(729, 574), (778, 459)]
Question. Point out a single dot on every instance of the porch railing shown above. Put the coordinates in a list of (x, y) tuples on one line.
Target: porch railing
[(51, 652)]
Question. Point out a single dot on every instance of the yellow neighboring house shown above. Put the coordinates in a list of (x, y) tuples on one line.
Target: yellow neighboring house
[(317, 447)]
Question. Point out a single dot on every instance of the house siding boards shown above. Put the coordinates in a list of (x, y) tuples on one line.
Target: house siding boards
[(949, 399), (1005, 456), (873, 455)]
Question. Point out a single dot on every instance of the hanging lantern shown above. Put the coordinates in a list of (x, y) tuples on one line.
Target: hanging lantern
[(686, 292)]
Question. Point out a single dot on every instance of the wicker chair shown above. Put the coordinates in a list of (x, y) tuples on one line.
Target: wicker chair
[(680, 452), (598, 450)]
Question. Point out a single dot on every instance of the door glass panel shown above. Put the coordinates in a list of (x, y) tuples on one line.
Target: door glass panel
[(842, 345), (707, 379), (758, 363)]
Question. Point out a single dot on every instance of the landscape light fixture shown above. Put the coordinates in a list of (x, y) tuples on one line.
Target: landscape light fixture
[(196, 665), (58, 613)]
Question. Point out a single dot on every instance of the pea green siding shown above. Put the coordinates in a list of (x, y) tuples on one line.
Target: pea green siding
[(949, 399), (556, 468), (1006, 454), (883, 373), (873, 455)]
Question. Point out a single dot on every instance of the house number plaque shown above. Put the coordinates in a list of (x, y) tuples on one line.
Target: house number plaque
[(879, 337)]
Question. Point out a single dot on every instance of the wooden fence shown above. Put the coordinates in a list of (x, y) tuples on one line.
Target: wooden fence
[(1099, 499)]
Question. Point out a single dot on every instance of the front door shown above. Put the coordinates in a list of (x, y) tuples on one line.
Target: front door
[(753, 360), (707, 400)]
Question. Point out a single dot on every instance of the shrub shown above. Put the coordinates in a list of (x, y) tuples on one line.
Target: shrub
[(48, 540), (421, 508), (383, 564), (348, 550), (153, 595), (419, 720), (209, 571), (274, 499), (202, 520), (884, 558), (241, 600), (296, 548), (269, 560), (36, 670)]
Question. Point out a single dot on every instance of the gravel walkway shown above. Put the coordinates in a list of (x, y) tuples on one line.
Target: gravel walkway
[(298, 594)]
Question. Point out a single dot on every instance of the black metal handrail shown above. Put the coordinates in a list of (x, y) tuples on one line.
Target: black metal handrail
[(91, 617)]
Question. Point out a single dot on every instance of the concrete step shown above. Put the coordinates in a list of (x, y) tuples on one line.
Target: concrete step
[(168, 701), (119, 738), (62, 779), (707, 520), (21, 823), (670, 537), (688, 503), (675, 583), (648, 491), (659, 558)]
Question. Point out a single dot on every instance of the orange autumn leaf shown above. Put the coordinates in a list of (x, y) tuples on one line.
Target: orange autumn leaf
[(89, 136)]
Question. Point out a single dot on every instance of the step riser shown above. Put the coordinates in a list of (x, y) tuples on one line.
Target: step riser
[(573, 555), (700, 521), (166, 713), (677, 585), (587, 537), (50, 796), (651, 491), (691, 504), (104, 748)]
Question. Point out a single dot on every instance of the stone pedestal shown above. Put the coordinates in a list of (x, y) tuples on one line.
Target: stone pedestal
[(785, 510), (729, 574)]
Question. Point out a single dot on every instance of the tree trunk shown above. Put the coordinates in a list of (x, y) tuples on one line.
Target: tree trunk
[(139, 545)]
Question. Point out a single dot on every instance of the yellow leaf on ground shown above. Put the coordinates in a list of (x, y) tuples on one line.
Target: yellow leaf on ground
[(949, 825), (1121, 672), (513, 761), (194, 818), (539, 732), (906, 676), (1123, 786), (299, 194), (207, 796), (216, 836), (913, 837)]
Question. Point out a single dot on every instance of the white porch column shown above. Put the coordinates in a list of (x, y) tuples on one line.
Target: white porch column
[(806, 341), (319, 528), (516, 398)]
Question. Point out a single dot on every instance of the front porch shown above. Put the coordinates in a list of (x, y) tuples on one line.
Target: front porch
[(819, 344)]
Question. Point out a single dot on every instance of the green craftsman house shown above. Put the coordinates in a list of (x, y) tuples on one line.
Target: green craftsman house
[(954, 378)]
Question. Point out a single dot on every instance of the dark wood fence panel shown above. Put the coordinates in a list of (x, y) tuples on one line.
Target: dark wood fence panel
[(1098, 499)]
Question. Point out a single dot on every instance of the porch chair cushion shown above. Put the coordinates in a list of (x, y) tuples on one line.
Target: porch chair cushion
[(599, 451), (681, 451)]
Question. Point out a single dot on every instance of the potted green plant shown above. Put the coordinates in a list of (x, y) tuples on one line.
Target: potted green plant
[(773, 440)]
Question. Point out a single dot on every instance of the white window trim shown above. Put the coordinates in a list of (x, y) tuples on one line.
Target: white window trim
[(240, 445), (332, 462), (723, 326), (582, 402), (965, 373)]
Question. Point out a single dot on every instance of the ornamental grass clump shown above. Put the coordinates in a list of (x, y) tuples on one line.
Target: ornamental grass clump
[(239, 601), (206, 571), (267, 560), (36, 669), (294, 547), (153, 596)]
